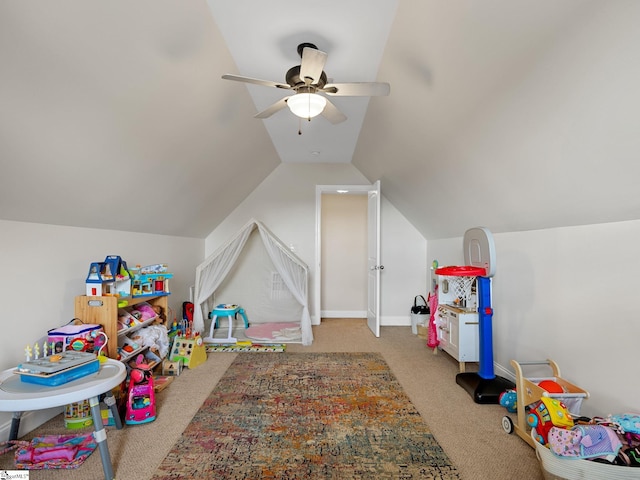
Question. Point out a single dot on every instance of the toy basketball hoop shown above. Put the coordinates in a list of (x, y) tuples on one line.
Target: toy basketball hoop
[(460, 280)]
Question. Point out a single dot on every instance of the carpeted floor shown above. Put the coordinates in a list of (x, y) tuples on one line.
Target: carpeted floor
[(307, 415)]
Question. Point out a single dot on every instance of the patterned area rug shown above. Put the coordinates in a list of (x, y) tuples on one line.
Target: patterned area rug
[(307, 416)]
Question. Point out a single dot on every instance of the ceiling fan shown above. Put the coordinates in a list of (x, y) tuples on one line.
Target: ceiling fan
[(307, 81)]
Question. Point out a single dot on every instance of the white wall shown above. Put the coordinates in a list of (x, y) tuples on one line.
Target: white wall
[(285, 203), (569, 294), (44, 268)]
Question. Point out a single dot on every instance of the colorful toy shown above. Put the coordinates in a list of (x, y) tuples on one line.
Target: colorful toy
[(509, 400), (172, 369), (73, 337), (110, 277), (190, 351), (151, 280), (141, 399), (547, 413), (531, 395)]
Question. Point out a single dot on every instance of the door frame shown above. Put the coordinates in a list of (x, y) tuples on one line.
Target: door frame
[(316, 317)]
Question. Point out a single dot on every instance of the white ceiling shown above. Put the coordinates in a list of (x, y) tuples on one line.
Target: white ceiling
[(512, 114)]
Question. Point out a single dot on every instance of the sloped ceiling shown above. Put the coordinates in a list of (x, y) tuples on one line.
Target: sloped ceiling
[(114, 114)]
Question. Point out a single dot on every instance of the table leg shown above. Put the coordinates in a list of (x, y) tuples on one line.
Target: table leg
[(214, 321), (15, 425), (230, 338), (244, 316), (110, 401), (100, 434)]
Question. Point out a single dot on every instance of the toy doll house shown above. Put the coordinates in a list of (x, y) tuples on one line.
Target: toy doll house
[(110, 277)]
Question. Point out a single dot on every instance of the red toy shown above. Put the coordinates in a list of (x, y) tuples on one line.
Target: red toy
[(547, 413)]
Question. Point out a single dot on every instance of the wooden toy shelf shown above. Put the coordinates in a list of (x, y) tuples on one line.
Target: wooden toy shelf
[(104, 311)]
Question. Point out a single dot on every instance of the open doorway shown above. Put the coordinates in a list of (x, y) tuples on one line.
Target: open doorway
[(361, 217), (343, 288)]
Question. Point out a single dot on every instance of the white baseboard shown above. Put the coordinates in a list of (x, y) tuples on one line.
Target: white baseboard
[(501, 371), (29, 421), (397, 321), (343, 313), (385, 321)]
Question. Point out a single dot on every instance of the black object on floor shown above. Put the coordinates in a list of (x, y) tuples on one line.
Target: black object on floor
[(484, 390)]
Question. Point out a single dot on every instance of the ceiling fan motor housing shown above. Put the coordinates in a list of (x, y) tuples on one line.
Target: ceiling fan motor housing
[(304, 45), (293, 78)]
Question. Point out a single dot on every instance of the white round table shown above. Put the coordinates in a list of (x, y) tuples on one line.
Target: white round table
[(17, 396)]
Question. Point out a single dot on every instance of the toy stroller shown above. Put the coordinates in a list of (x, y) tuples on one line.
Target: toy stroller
[(529, 391)]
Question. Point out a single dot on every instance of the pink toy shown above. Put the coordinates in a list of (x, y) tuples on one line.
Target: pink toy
[(141, 399)]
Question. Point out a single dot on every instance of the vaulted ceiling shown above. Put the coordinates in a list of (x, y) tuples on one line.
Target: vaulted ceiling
[(114, 114)]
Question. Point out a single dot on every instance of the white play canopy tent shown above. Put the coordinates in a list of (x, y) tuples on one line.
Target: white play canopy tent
[(211, 273)]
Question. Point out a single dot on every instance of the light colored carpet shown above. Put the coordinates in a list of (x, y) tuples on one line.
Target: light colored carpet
[(470, 434)]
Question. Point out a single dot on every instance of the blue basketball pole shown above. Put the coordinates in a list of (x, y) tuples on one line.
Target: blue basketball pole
[(485, 320), (484, 386)]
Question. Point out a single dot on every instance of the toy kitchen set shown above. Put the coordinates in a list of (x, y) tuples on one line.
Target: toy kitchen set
[(460, 297), (457, 318)]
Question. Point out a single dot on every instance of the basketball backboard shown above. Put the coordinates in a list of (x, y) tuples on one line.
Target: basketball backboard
[(479, 249)]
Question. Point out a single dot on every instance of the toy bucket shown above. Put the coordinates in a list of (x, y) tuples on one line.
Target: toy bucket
[(78, 415)]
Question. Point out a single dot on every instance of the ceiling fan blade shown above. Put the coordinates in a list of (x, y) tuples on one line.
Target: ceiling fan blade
[(276, 107), (255, 81), (332, 113), (313, 61), (362, 89)]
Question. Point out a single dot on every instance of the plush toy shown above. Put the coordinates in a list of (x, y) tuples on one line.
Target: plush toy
[(508, 399)]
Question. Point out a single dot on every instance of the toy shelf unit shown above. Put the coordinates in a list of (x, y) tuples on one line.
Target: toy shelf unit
[(106, 311), (149, 281), (529, 392)]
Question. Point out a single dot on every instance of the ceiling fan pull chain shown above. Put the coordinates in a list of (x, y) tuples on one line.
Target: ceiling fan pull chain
[(299, 126)]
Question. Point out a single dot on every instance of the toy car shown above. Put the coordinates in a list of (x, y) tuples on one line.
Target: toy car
[(141, 401)]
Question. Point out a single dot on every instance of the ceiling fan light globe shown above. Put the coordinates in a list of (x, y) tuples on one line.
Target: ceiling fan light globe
[(306, 105)]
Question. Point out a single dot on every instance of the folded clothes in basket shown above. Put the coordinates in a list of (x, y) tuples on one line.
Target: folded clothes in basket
[(628, 422), (585, 441)]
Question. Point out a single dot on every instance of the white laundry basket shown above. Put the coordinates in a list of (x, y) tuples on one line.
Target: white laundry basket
[(559, 468)]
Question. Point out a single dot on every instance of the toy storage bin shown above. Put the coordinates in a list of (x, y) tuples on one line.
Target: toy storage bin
[(558, 468), (63, 337)]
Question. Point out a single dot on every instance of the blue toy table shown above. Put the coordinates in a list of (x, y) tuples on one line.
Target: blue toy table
[(225, 310)]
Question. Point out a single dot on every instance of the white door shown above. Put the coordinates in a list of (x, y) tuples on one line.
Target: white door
[(373, 255)]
